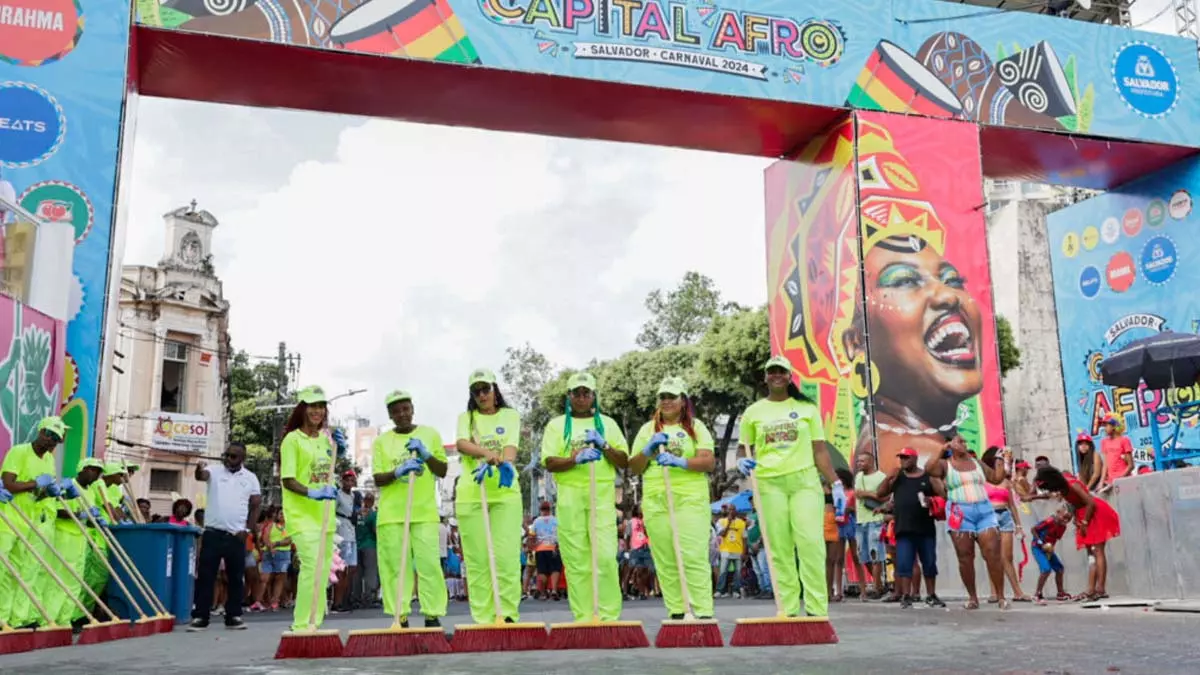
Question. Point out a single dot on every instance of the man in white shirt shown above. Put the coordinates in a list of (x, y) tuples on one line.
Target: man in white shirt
[(234, 498)]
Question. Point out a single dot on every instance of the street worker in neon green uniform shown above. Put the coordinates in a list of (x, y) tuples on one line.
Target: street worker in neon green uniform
[(487, 438), (790, 457), (306, 464), (110, 496), (30, 483), (400, 458), (72, 544), (570, 443), (673, 440)]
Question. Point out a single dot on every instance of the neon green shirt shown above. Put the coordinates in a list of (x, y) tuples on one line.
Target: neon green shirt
[(24, 463), (310, 461), (684, 483), (115, 495), (782, 434), (494, 432), (554, 445), (389, 452)]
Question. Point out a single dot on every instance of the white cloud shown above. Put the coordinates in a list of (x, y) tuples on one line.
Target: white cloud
[(395, 255)]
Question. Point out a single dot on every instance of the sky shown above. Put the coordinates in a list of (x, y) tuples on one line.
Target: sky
[(393, 255)]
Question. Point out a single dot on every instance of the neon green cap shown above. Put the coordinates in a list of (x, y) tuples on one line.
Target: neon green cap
[(113, 469), (779, 361), (481, 375), (312, 394), (395, 396), (674, 386), (91, 463), (586, 380), (54, 425)]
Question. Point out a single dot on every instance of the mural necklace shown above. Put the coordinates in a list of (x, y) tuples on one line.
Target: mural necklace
[(913, 425)]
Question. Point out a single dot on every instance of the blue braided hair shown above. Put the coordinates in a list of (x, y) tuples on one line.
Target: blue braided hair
[(599, 423)]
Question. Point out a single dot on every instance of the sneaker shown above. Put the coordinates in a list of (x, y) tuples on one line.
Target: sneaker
[(197, 625), (704, 618), (765, 595), (404, 622), (891, 599), (337, 609), (1063, 597), (432, 622), (934, 601), (235, 623), (906, 602), (509, 619), (677, 617), (218, 611)]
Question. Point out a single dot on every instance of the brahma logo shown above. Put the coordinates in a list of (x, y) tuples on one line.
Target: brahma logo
[(37, 32), (1120, 272)]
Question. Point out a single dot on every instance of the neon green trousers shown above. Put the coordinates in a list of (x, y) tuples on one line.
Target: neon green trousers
[(791, 510), (74, 549), (9, 589), (506, 539), (48, 591), (424, 563), (311, 570), (575, 546), (692, 518), (95, 572)]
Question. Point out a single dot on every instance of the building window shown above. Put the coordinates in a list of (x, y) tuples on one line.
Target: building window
[(174, 376), (164, 480)]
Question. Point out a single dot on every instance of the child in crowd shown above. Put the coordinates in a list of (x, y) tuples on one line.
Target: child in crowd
[(1045, 535)]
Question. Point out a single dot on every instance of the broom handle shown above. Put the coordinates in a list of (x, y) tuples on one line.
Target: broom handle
[(316, 593), (95, 548), (683, 587), (38, 556), (404, 544), (131, 504), (134, 573), (491, 550), (592, 545), (762, 529), (24, 587)]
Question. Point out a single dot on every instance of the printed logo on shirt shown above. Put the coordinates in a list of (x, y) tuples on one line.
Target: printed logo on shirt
[(782, 432)]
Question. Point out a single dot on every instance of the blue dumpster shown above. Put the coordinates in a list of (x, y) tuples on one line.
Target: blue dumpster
[(183, 573), (151, 547)]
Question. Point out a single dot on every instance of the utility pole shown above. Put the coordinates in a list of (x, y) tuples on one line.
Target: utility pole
[(288, 369)]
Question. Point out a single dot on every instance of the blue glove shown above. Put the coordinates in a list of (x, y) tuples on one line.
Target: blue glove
[(588, 455), (484, 471), (745, 465), (5, 496), (44, 481), (594, 438), (53, 489), (415, 445), (322, 493), (656, 441), (410, 466), (508, 474), (68, 489), (839, 498), (667, 459), (96, 513)]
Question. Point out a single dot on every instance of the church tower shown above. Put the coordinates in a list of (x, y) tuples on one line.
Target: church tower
[(188, 242)]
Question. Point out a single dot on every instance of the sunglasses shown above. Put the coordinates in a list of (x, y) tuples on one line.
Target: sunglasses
[(481, 389), (581, 392), (230, 455), (52, 436), (667, 397)]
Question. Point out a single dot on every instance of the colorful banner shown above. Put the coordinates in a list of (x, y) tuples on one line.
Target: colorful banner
[(31, 370), (939, 59), (62, 85), (889, 323), (1126, 265)]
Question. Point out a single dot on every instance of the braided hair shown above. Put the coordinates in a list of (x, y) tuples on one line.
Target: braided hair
[(599, 423), (686, 417)]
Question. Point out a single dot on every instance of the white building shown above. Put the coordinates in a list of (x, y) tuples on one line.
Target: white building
[(167, 398)]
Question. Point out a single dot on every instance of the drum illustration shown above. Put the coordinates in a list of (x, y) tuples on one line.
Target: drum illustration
[(894, 81), (1036, 78), (415, 29), (961, 64)]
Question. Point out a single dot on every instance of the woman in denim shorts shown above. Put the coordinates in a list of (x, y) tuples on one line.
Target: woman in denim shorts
[(1004, 504), (277, 558)]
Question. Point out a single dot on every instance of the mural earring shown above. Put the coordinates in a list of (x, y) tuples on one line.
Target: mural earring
[(858, 378)]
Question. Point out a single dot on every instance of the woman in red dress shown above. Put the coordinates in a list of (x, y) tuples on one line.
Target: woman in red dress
[(1095, 523)]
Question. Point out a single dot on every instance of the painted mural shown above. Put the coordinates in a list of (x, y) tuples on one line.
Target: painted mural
[(1126, 264), (880, 287), (31, 371), (62, 84), (908, 56)]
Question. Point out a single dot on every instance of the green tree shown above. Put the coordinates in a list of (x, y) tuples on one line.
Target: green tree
[(680, 316), (525, 372), (1010, 355), (251, 386)]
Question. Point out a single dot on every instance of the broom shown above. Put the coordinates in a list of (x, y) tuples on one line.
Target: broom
[(779, 629), (15, 640), (596, 634), (98, 631), (312, 643), (163, 621), (690, 632), (396, 640), (499, 636), (50, 635)]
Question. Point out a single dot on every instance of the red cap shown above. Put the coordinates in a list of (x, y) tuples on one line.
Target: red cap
[(1084, 437), (350, 474), (1022, 464), (906, 452)]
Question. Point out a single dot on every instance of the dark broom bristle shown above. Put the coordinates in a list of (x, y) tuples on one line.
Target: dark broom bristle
[(145, 627), (104, 632), (689, 634), (783, 633), (46, 638), (499, 639), (396, 643), (597, 637), (16, 641), (310, 646)]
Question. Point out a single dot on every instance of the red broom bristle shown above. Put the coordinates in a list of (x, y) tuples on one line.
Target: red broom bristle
[(47, 638), (16, 641), (166, 624), (783, 633), (689, 635), (145, 628), (597, 637), (499, 639), (103, 632), (396, 643), (309, 646)]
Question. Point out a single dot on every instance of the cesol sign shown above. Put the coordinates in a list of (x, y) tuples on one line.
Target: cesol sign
[(180, 433)]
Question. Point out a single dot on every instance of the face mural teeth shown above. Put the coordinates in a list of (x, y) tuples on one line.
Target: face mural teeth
[(949, 340)]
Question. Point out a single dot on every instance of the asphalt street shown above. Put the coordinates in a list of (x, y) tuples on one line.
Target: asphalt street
[(875, 638)]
